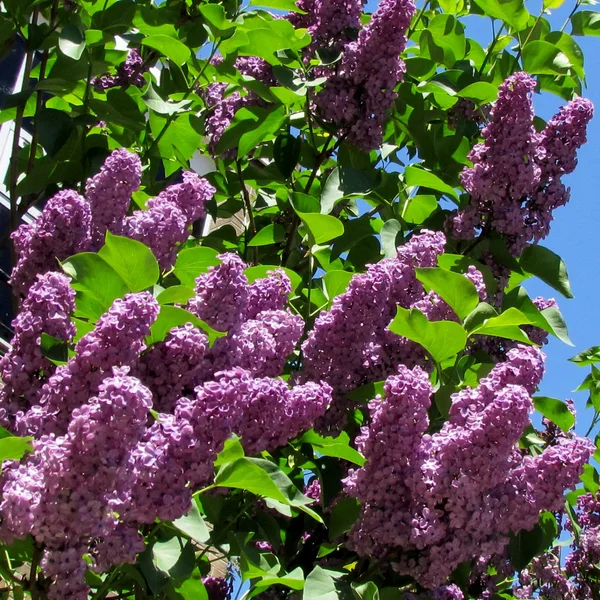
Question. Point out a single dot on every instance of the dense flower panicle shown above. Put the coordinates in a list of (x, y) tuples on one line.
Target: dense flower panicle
[(172, 366), (221, 294), (347, 342), (360, 94), (130, 72), (217, 588), (63, 229), (109, 192), (24, 369), (550, 581), (162, 227), (268, 293), (515, 180), (327, 21), (190, 196), (66, 493), (260, 345), (456, 494), (117, 340)]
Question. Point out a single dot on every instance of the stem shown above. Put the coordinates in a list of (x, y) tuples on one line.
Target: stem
[(248, 206), (35, 561), (577, 5), (86, 101), (101, 593), (412, 28), (491, 48), (592, 424), (296, 222), (521, 46)]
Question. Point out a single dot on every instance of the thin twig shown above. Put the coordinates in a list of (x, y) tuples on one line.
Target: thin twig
[(413, 27), (521, 46), (248, 206), (491, 47), (35, 561), (577, 5)]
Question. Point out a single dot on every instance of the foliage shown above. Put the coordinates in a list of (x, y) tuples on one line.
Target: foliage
[(311, 360)]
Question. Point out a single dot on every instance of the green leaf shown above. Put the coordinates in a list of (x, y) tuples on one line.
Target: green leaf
[(14, 448), (286, 153), (525, 545), (322, 228), (482, 312), (293, 580), (512, 12), (585, 22), (192, 589), (287, 5), (557, 324), (56, 351), (176, 294), (214, 15), (587, 357), (170, 47), (506, 325), (548, 266), (481, 91), (590, 479), (232, 450), (543, 58), (132, 260), (336, 283), (97, 283), (169, 558), (153, 100), (570, 48), (442, 339), (193, 262), (455, 289), (271, 234), (344, 181), (336, 447), (549, 4), (263, 478), (342, 516), (71, 42), (389, 233), (54, 128), (173, 316), (414, 176), (367, 392), (418, 208), (555, 410), (321, 585), (265, 128), (193, 525)]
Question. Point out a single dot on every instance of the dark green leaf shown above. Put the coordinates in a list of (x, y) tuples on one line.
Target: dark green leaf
[(525, 545), (56, 351), (442, 339), (132, 260), (587, 357), (342, 516), (548, 266), (266, 128), (482, 312), (481, 91), (71, 42), (286, 153), (54, 129), (458, 291), (555, 410), (585, 22)]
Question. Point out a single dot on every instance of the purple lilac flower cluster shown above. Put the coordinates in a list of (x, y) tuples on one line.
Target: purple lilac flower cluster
[(360, 93), (457, 494), (515, 182), (62, 229), (99, 469), (131, 72), (24, 369), (70, 224), (222, 108), (217, 588)]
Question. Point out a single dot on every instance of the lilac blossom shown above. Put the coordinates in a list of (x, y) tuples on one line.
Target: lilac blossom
[(130, 72), (63, 229)]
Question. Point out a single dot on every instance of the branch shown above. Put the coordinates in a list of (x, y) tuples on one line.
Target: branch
[(248, 206)]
